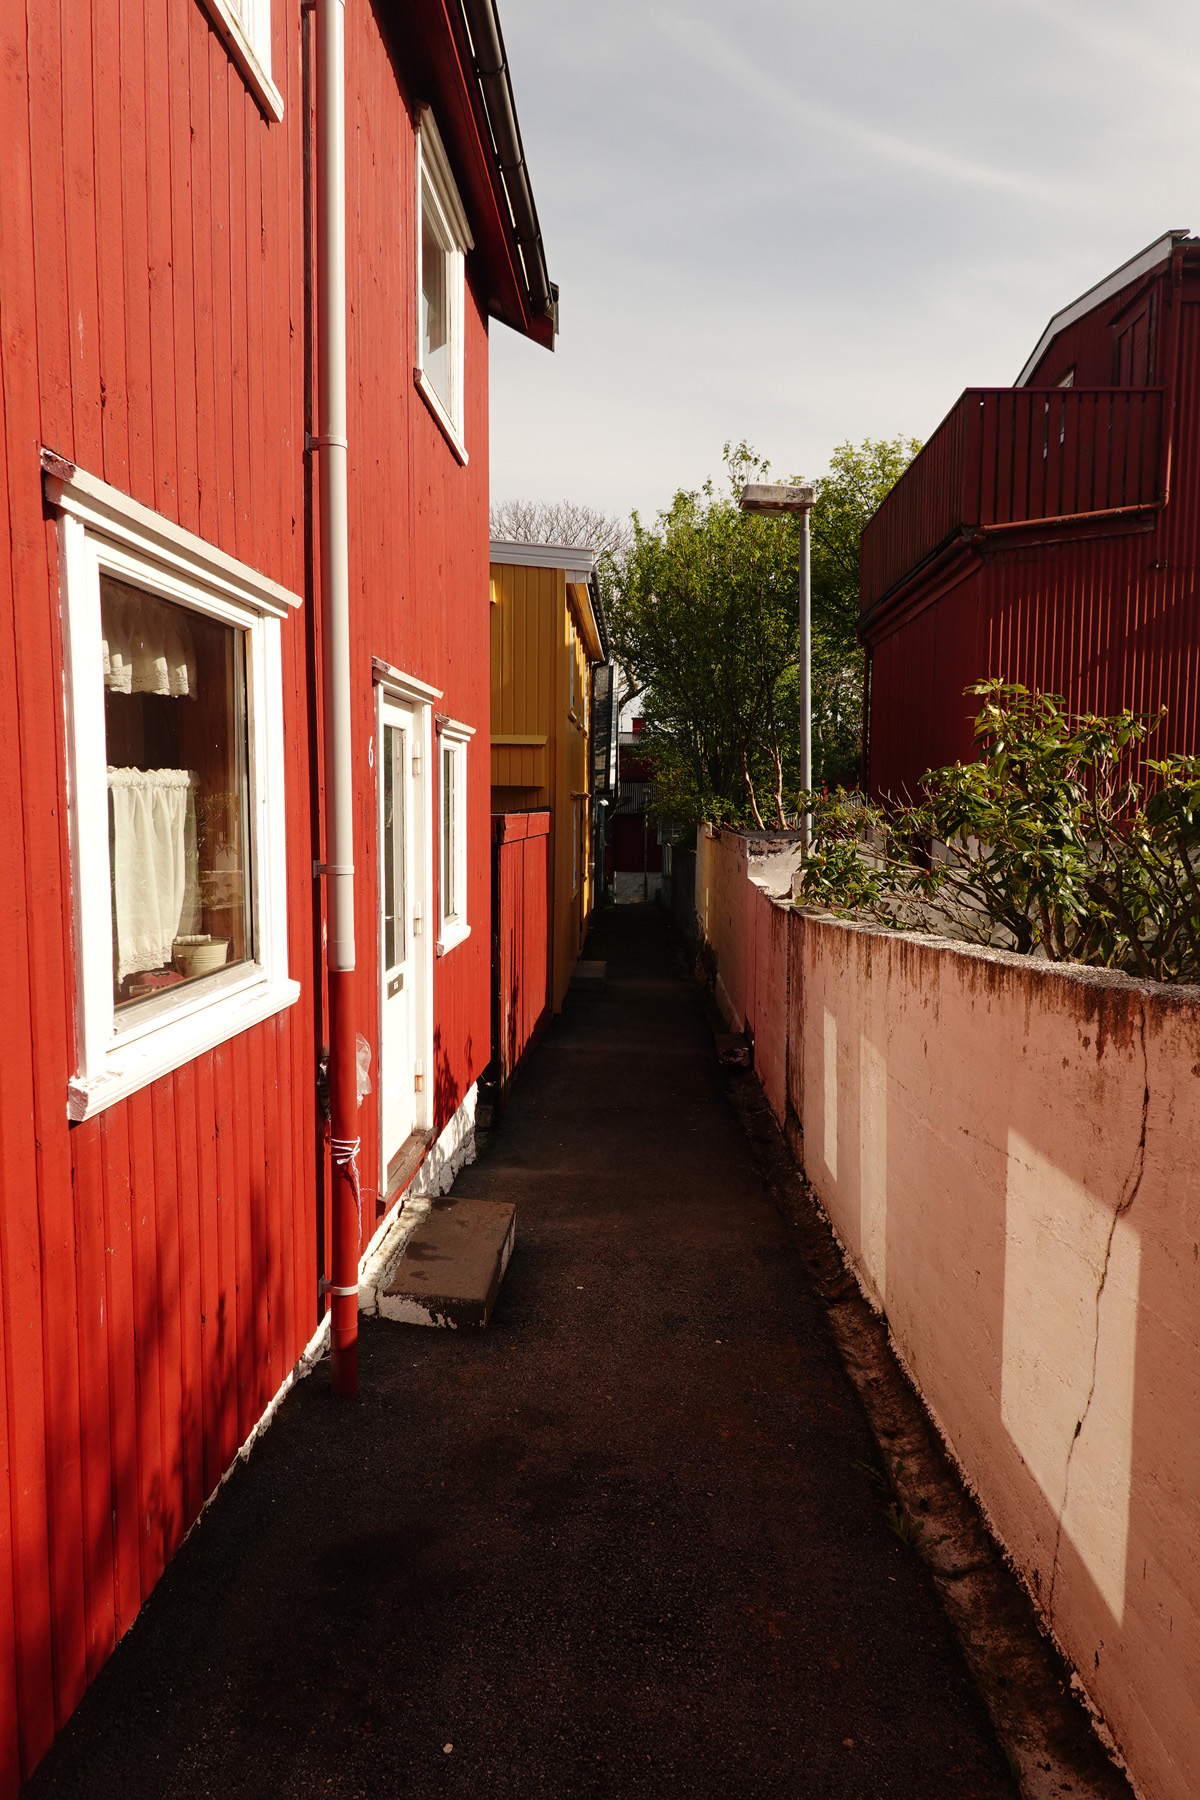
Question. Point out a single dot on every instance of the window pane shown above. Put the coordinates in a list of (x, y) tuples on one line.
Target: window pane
[(395, 909), (176, 746), (435, 303), (449, 834)]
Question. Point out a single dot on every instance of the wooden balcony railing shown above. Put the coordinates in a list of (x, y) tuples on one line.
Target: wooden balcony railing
[(1009, 456)]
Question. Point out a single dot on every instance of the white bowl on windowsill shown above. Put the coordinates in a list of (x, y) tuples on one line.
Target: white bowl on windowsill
[(200, 955)]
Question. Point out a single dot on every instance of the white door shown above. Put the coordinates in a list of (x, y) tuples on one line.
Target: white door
[(401, 888)]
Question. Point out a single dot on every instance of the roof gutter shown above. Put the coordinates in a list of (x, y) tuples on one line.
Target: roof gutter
[(491, 70), (598, 615)]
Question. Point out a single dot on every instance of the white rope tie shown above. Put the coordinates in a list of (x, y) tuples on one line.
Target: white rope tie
[(345, 1156)]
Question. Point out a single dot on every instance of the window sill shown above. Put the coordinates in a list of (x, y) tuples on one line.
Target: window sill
[(450, 936), (445, 423), (242, 52), (144, 1059)]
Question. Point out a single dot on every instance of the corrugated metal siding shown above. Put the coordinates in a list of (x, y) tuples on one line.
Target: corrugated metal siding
[(1011, 455), (1087, 345), (1108, 619)]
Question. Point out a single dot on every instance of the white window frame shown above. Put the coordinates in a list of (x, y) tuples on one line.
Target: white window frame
[(101, 530), (452, 736), (249, 44), (436, 187)]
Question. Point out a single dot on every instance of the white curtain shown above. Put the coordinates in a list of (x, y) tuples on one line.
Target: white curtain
[(148, 648), (155, 877)]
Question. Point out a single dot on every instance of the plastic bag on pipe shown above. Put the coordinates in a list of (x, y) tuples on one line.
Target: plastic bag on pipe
[(364, 1067)]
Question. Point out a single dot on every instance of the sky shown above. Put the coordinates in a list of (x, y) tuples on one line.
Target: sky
[(800, 224)]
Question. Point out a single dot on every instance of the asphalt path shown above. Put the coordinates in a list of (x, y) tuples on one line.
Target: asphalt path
[(620, 1544)]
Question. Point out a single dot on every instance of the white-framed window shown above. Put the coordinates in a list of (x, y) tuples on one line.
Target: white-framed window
[(575, 847), (443, 239), (246, 27), (175, 771), (453, 924)]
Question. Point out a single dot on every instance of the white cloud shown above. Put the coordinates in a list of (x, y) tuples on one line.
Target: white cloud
[(799, 223)]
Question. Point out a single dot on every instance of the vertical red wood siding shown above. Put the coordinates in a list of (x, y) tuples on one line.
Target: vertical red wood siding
[(158, 1262), (1106, 614), (419, 551)]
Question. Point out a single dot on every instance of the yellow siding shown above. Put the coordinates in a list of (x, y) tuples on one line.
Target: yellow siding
[(533, 648)]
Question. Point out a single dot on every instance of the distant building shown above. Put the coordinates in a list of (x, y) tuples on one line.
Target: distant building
[(549, 740), (1048, 532), (634, 859)]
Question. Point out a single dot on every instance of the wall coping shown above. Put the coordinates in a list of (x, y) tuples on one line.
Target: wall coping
[(1177, 994)]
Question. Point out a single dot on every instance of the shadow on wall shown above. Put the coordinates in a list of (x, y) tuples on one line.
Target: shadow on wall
[(195, 1296), (1006, 1151)]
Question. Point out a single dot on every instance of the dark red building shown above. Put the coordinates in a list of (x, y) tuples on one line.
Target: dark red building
[(1047, 532)]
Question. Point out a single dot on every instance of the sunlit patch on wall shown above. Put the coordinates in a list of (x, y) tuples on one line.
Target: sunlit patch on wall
[(831, 1094), (872, 1161), (1069, 1348)]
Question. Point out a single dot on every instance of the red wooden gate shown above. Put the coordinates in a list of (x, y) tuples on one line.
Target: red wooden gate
[(521, 872)]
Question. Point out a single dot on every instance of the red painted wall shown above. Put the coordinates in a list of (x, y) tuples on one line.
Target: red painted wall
[(159, 1263), (419, 549)]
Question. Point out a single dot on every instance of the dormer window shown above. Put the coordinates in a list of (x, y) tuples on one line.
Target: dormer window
[(443, 239), (1133, 346)]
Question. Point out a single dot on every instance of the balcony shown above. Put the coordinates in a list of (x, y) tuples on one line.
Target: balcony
[(1016, 456)]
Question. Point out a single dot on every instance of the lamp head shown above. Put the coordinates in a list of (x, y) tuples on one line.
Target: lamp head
[(775, 497)]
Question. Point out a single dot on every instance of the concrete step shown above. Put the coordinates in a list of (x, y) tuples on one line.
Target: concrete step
[(590, 976), (450, 1270)]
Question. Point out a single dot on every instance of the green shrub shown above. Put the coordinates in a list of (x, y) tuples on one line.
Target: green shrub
[(1044, 844)]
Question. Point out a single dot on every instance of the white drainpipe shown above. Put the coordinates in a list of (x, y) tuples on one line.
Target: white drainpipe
[(335, 602)]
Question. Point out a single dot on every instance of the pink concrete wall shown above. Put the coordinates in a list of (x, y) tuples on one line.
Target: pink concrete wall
[(1007, 1152), (769, 1014), (723, 900)]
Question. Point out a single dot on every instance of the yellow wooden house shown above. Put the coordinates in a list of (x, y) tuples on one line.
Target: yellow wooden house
[(547, 634)]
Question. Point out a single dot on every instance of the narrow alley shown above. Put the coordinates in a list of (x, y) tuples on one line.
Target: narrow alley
[(620, 1543)]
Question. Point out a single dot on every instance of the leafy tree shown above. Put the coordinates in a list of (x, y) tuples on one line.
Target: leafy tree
[(860, 478), (703, 607)]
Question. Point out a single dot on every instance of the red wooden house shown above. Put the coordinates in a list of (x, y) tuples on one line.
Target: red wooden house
[(1048, 533), (247, 267)]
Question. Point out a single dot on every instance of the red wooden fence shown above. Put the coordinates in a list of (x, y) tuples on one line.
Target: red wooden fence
[(1006, 456), (521, 871)]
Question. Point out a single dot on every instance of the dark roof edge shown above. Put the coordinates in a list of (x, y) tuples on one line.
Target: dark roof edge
[(495, 86)]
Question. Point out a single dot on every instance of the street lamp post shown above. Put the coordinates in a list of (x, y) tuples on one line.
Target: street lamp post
[(776, 498)]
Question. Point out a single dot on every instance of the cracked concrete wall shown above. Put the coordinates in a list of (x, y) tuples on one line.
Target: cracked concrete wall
[(1007, 1151)]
